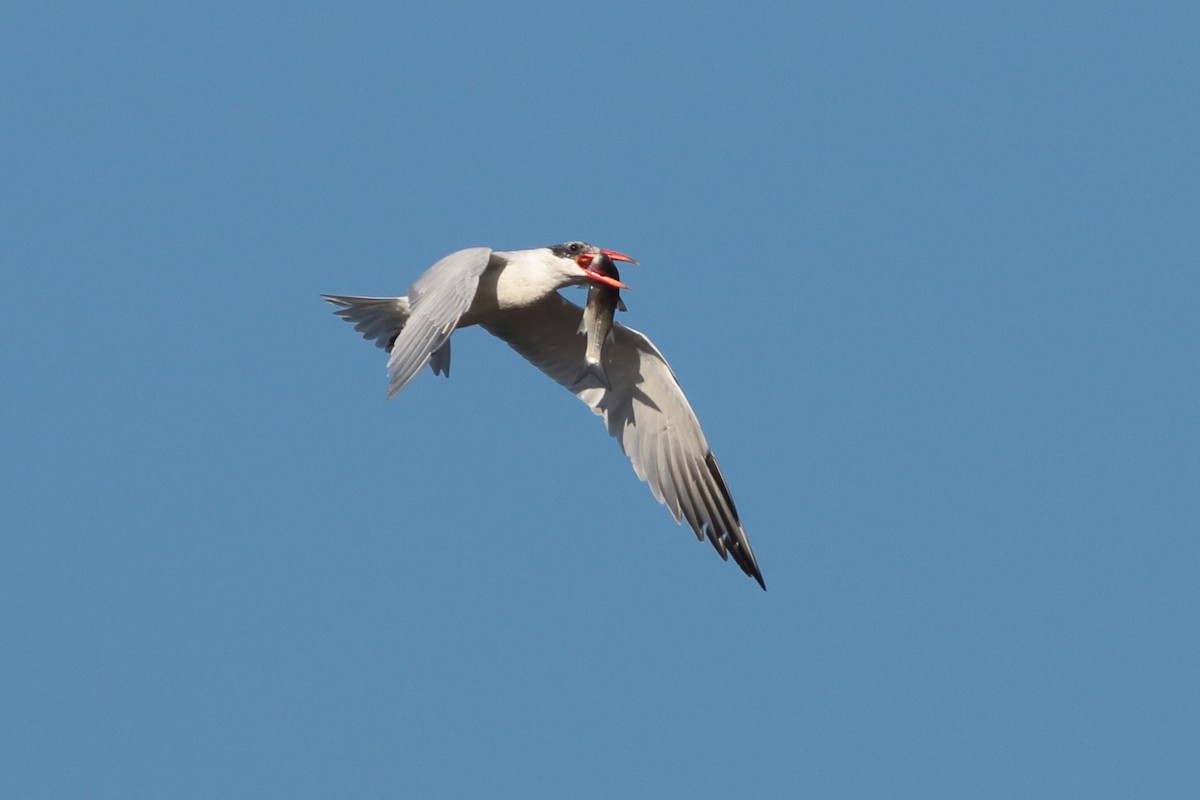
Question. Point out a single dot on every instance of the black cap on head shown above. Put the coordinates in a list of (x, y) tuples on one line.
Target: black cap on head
[(572, 249)]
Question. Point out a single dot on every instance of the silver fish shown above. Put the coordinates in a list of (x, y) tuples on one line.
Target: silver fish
[(602, 301)]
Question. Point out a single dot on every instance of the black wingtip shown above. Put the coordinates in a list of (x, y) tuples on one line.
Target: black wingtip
[(744, 557), (748, 565)]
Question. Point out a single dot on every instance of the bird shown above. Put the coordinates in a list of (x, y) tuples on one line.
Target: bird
[(513, 295)]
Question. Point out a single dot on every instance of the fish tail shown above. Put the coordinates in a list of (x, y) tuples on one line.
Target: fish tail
[(595, 370)]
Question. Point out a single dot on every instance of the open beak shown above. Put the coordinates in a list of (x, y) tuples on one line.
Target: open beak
[(586, 260), (602, 278), (615, 256)]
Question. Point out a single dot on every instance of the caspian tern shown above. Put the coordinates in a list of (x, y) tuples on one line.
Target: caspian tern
[(514, 295)]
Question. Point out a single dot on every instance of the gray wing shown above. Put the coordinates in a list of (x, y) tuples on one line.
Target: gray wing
[(436, 301), (645, 410)]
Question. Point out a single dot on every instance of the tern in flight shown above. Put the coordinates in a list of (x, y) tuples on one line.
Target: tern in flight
[(514, 295)]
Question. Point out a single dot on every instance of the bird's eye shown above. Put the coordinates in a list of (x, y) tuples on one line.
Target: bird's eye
[(574, 248)]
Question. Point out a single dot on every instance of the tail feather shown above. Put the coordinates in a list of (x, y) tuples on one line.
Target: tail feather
[(378, 319)]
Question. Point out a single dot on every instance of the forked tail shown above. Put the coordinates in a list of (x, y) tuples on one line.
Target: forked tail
[(378, 319)]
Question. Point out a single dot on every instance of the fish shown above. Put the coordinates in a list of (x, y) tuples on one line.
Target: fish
[(602, 302)]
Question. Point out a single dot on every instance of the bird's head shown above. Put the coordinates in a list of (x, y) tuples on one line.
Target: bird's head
[(583, 256)]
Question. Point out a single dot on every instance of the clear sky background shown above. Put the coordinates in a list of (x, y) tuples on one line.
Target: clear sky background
[(928, 272)]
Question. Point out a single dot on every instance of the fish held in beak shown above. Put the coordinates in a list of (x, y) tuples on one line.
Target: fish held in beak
[(604, 299)]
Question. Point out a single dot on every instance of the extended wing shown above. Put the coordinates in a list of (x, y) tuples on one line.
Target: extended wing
[(436, 301), (645, 410)]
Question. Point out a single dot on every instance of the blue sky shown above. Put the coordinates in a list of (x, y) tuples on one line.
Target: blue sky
[(928, 274)]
